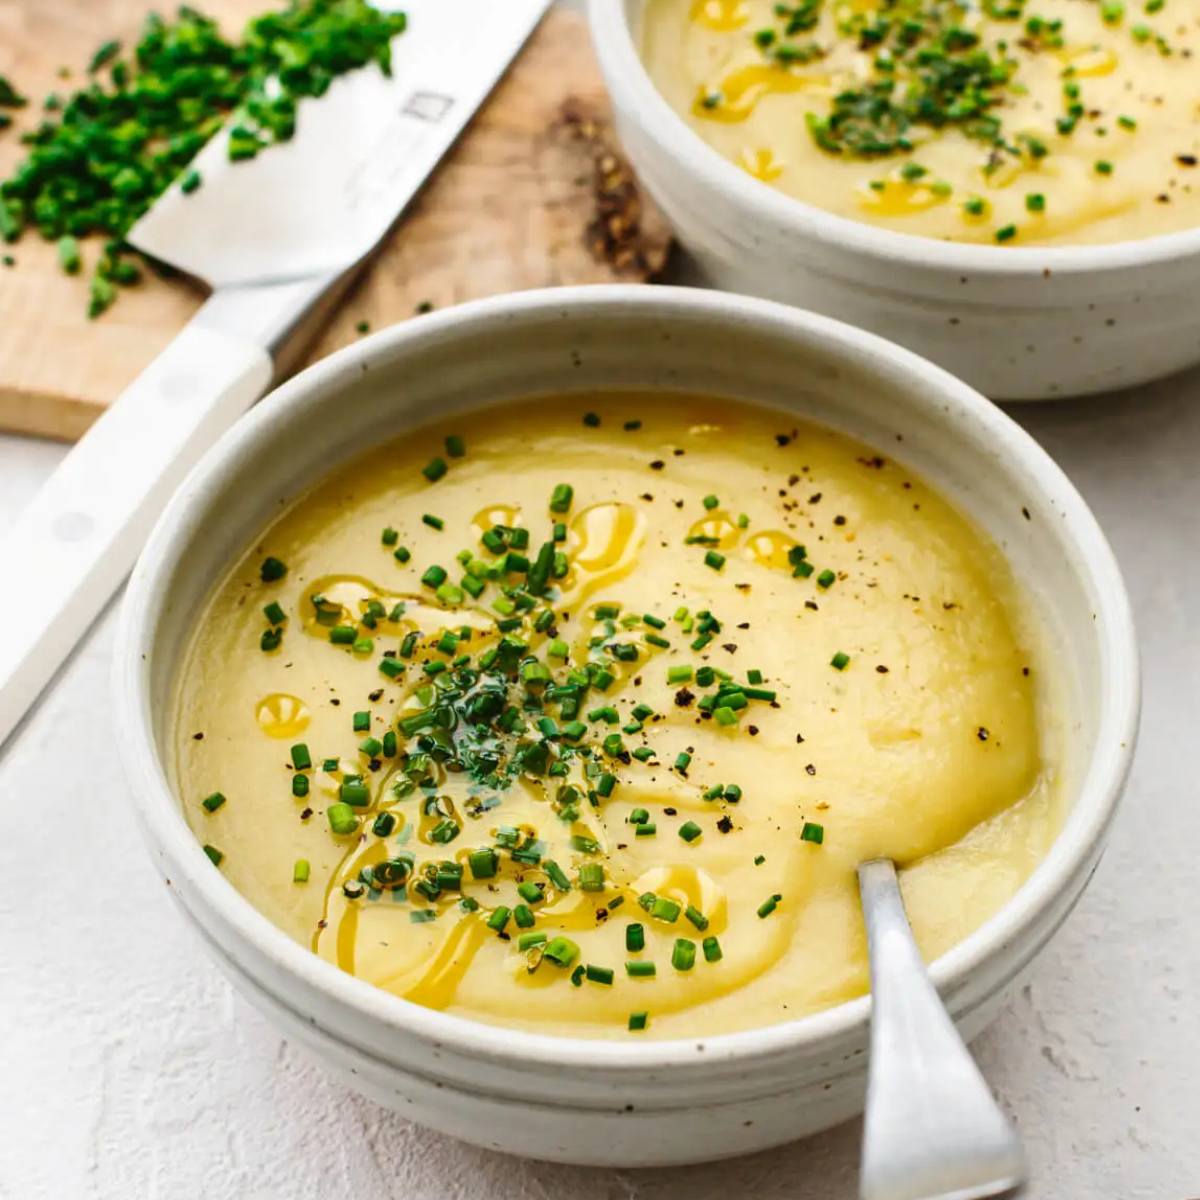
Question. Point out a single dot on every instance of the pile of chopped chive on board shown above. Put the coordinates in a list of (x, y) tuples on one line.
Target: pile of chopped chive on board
[(515, 702), (99, 157)]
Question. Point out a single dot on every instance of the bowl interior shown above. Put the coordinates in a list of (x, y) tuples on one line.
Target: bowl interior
[(672, 340)]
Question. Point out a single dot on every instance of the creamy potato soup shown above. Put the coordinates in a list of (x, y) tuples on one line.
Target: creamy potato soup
[(1003, 121), (577, 716)]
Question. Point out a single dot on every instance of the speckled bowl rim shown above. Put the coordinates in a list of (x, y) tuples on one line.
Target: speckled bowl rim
[(615, 47), (163, 822)]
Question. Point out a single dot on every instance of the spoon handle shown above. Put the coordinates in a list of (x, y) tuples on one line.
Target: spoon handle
[(932, 1129)]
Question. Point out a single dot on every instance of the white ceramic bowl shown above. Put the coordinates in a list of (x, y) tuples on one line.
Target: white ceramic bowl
[(1017, 323), (644, 1102)]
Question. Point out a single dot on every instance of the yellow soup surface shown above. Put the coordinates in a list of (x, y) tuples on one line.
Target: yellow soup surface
[(593, 713), (1002, 121)]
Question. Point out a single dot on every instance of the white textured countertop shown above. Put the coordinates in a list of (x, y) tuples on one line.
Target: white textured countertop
[(129, 1071)]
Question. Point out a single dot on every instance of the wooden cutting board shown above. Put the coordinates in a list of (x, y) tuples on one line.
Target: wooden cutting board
[(533, 195)]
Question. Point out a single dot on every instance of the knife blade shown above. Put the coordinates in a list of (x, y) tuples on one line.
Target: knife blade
[(277, 239)]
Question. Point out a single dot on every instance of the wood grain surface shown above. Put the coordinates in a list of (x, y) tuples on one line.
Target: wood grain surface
[(533, 195)]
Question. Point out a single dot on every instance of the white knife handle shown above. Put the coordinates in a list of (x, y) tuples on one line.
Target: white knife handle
[(77, 540)]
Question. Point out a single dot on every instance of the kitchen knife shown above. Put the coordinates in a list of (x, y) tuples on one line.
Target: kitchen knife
[(277, 239)]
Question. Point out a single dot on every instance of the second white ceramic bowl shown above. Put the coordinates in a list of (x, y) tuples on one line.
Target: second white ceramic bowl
[(1016, 323), (644, 1102)]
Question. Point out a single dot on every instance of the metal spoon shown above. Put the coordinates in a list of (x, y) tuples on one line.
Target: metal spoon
[(932, 1129)]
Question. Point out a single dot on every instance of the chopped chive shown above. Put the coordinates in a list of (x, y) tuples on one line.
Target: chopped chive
[(682, 761), (840, 661), (213, 802), (402, 554), (712, 950), (683, 956), (768, 906), (384, 824), (342, 819), (272, 569), (534, 937), (445, 831), (664, 910), (714, 560), (215, 856), (646, 829), (635, 937), (390, 536), (556, 875), (561, 497), (812, 832), (274, 613), (68, 255), (499, 918), (299, 786), (301, 759), (696, 917), (434, 469), (826, 579), (601, 975), (455, 446), (301, 871), (690, 831), (432, 521), (640, 968), (483, 863), (638, 1021), (561, 951), (357, 795), (591, 877), (523, 915), (679, 674), (711, 502)]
